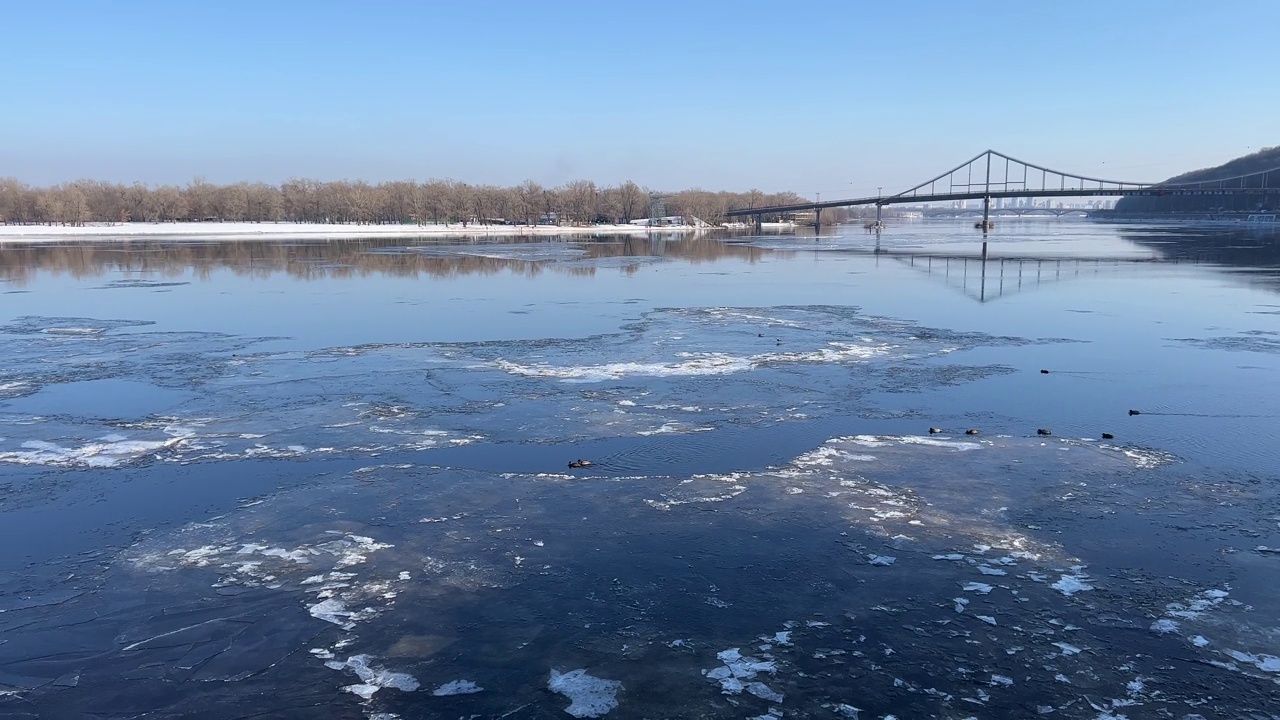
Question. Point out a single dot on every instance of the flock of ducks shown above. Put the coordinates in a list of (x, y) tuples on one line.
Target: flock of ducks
[(580, 463), (1040, 431)]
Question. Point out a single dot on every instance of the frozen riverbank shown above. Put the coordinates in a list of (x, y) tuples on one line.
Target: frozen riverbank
[(295, 231)]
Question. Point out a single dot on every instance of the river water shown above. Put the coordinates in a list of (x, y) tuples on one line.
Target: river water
[(251, 479)]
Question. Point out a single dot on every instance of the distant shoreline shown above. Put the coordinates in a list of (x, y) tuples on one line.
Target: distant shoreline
[(302, 231)]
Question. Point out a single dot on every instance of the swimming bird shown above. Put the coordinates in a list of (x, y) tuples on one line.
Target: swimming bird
[(1044, 431), (1108, 436), (971, 431), (934, 431), (1134, 412), (1044, 372), (580, 463)]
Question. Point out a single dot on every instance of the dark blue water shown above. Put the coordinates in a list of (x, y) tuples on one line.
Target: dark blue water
[(238, 462)]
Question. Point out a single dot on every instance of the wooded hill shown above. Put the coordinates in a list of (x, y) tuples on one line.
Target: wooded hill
[(1261, 161)]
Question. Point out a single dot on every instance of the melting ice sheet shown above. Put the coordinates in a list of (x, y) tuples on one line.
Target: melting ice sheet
[(228, 399), (342, 591)]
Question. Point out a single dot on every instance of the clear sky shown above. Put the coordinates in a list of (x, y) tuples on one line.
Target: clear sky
[(834, 97)]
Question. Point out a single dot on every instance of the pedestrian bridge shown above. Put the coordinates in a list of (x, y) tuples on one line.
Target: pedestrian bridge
[(993, 175)]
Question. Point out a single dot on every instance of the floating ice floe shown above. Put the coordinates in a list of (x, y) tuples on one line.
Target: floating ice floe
[(108, 452), (1071, 584), (764, 692), (1067, 648), (372, 679), (457, 687), (1196, 606), (884, 440), (1001, 680), (881, 560), (1164, 625), (986, 619), (589, 696), (980, 588), (1147, 459), (738, 667), (1265, 663), (334, 611)]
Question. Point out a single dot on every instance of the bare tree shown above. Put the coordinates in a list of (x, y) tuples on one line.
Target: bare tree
[(459, 204), (580, 201), (530, 201), (199, 197), (632, 201)]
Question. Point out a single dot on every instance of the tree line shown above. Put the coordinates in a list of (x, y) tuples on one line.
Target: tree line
[(343, 201)]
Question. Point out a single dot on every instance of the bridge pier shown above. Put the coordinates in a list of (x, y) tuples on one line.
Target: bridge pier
[(986, 223), (759, 223), (817, 221)]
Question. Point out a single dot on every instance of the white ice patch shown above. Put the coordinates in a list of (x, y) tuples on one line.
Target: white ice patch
[(933, 442), (589, 696), (980, 588), (1196, 606), (883, 440), (333, 611), (1198, 640), (298, 556), (372, 678), (1071, 584), (674, 427), (986, 619), (104, 453), (1164, 625), (1067, 648), (691, 365), (738, 667), (988, 570), (1265, 663), (764, 692), (881, 560), (1147, 459), (823, 456), (1001, 680), (457, 687)]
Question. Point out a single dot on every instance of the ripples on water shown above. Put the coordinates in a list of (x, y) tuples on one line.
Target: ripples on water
[(390, 529)]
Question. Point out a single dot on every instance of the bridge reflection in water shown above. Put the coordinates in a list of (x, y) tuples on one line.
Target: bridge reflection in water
[(984, 278)]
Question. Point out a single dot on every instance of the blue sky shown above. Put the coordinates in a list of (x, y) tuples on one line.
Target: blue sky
[(830, 97)]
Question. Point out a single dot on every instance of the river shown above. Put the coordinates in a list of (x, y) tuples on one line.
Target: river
[(847, 476)]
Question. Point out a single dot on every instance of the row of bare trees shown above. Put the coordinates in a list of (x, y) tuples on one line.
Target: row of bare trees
[(403, 201)]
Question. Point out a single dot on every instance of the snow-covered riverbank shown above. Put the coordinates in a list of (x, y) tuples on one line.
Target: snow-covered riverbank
[(299, 231)]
